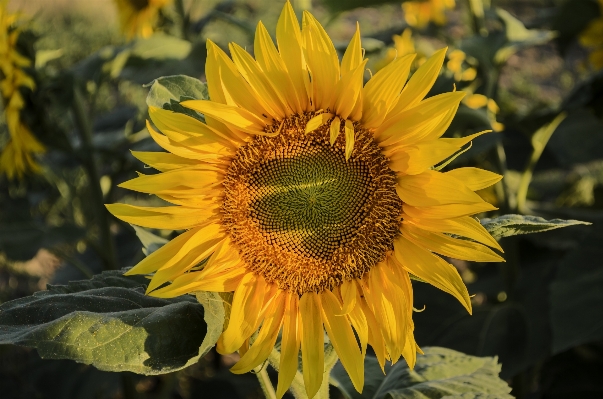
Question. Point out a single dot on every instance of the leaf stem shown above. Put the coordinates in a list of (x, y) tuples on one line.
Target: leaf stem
[(261, 373), (85, 130)]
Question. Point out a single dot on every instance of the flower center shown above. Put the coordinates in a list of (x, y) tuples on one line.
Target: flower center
[(301, 215)]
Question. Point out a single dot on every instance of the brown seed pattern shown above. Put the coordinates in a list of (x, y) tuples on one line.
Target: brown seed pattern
[(301, 215)]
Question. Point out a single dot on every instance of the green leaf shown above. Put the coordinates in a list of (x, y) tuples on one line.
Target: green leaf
[(168, 91), (177, 87), (518, 36), (512, 225), (109, 322), (578, 138), (576, 297), (161, 47), (440, 373)]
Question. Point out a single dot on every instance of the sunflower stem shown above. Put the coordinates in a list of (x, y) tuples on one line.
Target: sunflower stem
[(261, 372), (84, 129)]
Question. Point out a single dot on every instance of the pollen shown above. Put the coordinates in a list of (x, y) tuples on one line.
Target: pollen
[(302, 216)]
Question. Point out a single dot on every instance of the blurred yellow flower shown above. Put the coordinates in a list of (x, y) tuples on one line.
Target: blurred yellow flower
[(477, 101), (420, 13), (138, 17), (404, 44), (313, 198), (457, 64), (592, 37), (17, 156)]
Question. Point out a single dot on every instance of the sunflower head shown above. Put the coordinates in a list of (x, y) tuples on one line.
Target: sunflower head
[(313, 197)]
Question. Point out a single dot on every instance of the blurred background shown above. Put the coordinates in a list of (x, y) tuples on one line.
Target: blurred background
[(74, 78)]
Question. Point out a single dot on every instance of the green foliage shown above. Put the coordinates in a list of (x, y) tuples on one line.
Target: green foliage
[(512, 225), (576, 296), (168, 91), (109, 322), (440, 373)]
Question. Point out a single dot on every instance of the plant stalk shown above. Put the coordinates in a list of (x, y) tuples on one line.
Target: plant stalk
[(261, 373), (102, 217)]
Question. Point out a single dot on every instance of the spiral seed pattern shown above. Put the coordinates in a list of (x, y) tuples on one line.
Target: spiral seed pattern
[(304, 217)]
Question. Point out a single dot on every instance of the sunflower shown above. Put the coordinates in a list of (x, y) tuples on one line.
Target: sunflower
[(312, 197), (419, 13), (17, 156), (138, 17), (592, 38)]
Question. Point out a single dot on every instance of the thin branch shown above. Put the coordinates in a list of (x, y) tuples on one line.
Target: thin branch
[(102, 217)]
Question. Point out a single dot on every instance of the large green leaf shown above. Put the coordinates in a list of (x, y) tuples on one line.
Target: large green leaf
[(109, 322), (576, 297), (439, 373), (512, 225)]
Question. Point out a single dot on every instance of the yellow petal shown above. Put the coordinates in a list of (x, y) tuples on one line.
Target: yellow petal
[(346, 92), (192, 201), (375, 338), (428, 120), (317, 121), (459, 142), (182, 150), (434, 188), (226, 281), (312, 342), (334, 129), (236, 89), (264, 343), (465, 226), (288, 37), (275, 69), (343, 339), (235, 117), (251, 71), (197, 177), (163, 255), (168, 217), (349, 138), (212, 75), (432, 269), (289, 346), (383, 89), (247, 302), (475, 178), (417, 158), (389, 310), (196, 249), (359, 322), (322, 59), (164, 161), (447, 211), (420, 83), (181, 123), (353, 53), (348, 294), (449, 246)]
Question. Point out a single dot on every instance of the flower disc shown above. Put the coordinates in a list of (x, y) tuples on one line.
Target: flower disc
[(303, 216)]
